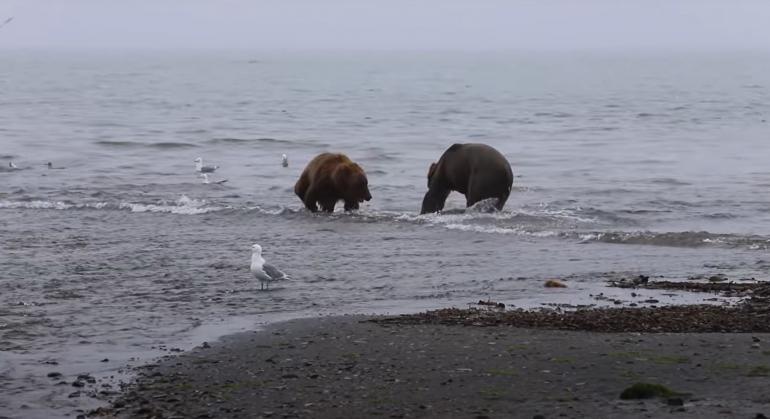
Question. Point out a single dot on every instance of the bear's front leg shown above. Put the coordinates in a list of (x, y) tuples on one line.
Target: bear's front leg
[(328, 205), (310, 200), (351, 205)]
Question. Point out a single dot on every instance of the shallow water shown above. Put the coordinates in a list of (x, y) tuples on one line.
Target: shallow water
[(624, 164)]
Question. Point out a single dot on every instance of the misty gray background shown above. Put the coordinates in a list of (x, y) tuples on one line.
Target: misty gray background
[(357, 24)]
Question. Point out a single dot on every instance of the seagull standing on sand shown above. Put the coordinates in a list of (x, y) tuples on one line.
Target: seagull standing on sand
[(264, 272), (204, 169), (284, 160)]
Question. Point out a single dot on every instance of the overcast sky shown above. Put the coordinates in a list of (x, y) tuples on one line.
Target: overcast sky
[(386, 24)]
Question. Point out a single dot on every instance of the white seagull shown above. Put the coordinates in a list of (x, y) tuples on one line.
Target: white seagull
[(204, 169), (284, 160), (12, 166), (264, 272)]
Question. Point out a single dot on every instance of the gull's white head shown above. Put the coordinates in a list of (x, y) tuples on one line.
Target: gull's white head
[(12, 165), (284, 159), (198, 160), (256, 249)]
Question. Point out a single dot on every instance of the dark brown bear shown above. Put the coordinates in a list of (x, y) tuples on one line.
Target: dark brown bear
[(329, 178)]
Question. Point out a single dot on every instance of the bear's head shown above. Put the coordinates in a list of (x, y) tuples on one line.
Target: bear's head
[(352, 182), (431, 172)]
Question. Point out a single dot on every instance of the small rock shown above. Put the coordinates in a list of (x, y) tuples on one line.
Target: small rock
[(675, 401), (74, 394), (552, 283), (760, 416), (538, 417), (78, 384), (105, 360), (205, 345), (290, 376), (755, 339), (54, 375)]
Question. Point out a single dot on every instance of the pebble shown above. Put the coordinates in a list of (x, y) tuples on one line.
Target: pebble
[(55, 375)]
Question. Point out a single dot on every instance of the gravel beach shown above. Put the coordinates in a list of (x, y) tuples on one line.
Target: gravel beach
[(350, 366)]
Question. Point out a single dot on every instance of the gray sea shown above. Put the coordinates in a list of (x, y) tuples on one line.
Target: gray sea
[(625, 163)]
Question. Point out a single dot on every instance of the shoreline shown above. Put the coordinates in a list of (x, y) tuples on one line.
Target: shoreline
[(402, 366)]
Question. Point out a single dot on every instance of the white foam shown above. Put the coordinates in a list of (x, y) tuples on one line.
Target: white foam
[(57, 205), (183, 206)]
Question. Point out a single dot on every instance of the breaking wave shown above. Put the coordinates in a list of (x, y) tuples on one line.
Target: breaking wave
[(183, 206)]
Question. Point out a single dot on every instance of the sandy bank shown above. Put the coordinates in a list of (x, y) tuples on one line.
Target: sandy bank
[(348, 366)]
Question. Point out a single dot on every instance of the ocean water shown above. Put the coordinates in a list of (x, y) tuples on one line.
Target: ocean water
[(625, 164)]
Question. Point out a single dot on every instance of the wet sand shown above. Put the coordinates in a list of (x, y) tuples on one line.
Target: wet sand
[(349, 366)]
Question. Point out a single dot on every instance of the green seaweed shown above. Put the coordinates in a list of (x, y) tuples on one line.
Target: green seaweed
[(491, 393), (759, 371), (502, 372), (670, 359), (517, 347), (646, 391)]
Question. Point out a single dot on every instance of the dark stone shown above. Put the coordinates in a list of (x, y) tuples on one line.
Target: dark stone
[(55, 375), (675, 401), (78, 384)]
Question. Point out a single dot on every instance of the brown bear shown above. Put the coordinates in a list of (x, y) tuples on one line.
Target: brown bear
[(329, 178), (476, 170)]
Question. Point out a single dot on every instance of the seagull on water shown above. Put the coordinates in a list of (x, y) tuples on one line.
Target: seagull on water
[(284, 160), (206, 180), (264, 272), (204, 169)]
